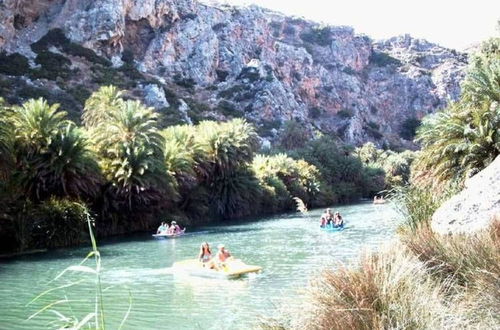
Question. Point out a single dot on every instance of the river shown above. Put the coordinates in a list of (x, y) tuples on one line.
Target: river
[(290, 247)]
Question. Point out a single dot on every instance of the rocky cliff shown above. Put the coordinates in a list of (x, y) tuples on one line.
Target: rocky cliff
[(193, 60)]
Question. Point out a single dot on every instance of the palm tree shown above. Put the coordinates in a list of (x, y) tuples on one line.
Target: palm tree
[(100, 105), (52, 156), (481, 87), (457, 143), (226, 146), (131, 155)]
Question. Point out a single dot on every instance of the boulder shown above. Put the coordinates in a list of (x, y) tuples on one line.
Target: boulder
[(475, 207)]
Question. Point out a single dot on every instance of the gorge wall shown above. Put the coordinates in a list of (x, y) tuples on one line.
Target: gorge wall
[(195, 61)]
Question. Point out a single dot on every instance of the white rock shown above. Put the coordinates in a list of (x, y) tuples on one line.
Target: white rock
[(475, 207)]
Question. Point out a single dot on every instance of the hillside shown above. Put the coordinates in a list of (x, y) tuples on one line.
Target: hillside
[(195, 61)]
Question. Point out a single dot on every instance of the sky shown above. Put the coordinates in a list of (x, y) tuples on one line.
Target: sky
[(455, 24)]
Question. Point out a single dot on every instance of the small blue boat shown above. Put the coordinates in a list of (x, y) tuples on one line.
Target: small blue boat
[(333, 228)]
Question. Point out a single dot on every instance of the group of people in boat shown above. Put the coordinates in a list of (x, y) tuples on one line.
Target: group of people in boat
[(328, 219), (216, 262), (378, 200), (173, 229)]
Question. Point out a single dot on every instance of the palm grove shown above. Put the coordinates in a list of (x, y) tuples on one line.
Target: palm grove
[(128, 172)]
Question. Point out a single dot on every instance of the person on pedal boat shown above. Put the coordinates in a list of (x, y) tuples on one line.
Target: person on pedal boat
[(338, 221), (205, 253), (162, 229), (175, 228), (222, 256)]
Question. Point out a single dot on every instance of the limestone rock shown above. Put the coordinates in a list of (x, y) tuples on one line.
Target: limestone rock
[(271, 67), (155, 96), (475, 207)]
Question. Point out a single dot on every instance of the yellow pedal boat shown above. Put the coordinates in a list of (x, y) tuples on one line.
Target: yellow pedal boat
[(232, 268)]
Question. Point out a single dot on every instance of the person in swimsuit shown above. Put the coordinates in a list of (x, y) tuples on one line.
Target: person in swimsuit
[(338, 220), (205, 253)]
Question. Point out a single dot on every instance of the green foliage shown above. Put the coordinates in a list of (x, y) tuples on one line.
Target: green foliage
[(382, 59), (319, 35), (52, 65), (130, 149), (409, 127), (283, 178), (14, 64), (295, 135), (464, 138), (54, 37), (315, 112), (80, 93), (396, 166), (344, 174), (372, 129), (228, 109), (184, 82), (58, 223), (345, 113), (52, 154), (57, 38)]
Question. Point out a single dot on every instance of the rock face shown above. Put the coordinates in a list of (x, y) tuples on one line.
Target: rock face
[(254, 63), (475, 207)]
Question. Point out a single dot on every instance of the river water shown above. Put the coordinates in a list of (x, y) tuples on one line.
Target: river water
[(290, 247)]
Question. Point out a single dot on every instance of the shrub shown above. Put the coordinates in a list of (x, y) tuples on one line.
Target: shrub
[(228, 109), (14, 64), (250, 73), (284, 178), (382, 59), (416, 205), (372, 129), (345, 113), (128, 56), (57, 38), (230, 92), (75, 49), (59, 223), (295, 135), (52, 65), (219, 26), (184, 82), (80, 93), (320, 36), (54, 37), (315, 112), (221, 74), (409, 128)]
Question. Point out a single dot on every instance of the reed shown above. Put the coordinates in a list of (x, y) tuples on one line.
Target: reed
[(92, 320)]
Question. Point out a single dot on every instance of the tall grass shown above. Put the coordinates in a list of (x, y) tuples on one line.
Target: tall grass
[(416, 205), (92, 320), (388, 290)]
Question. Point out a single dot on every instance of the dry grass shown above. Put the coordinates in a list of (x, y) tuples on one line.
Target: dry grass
[(389, 290), (463, 258)]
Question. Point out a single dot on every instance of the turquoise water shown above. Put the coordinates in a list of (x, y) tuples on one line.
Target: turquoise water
[(291, 249)]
